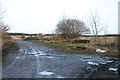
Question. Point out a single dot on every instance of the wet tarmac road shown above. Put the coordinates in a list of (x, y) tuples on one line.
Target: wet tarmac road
[(34, 60)]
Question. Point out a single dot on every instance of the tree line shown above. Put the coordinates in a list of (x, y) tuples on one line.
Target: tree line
[(20, 34)]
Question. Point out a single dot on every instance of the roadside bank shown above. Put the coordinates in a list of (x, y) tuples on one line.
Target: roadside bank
[(79, 48), (7, 48)]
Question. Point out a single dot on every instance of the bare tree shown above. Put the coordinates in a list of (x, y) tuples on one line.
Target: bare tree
[(71, 28), (3, 29), (96, 25)]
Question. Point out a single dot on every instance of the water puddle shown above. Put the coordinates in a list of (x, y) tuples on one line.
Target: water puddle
[(21, 50), (46, 73), (17, 57), (33, 52), (113, 69), (26, 52), (103, 63), (93, 63), (93, 69), (110, 61), (50, 57), (36, 55), (60, 77), (49, 54), (42, 54)]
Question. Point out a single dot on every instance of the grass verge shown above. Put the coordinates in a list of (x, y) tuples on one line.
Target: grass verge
[(8, 47), (68, 47), (75, 48)]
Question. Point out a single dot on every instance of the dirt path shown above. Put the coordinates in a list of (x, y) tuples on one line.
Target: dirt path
[(34, 60)]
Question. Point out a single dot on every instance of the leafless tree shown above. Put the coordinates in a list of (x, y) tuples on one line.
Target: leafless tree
[(71, 28), (3, 29), (96, 25)]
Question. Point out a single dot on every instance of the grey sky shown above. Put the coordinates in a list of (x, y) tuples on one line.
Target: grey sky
[(41, 16)]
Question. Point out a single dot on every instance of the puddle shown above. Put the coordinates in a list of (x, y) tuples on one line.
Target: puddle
[(60, 77), (26, 52), (46, 73), (33, 52), (36, 55), (110, 61), (17, 57), (20, 50), (39, 54), (29, 53), (93, 69), (42, 54), (113, 69), (50, 57), (93, 63), (49, 54), (103, 63)]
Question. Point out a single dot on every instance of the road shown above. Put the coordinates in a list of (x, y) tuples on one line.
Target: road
[(35, 60)]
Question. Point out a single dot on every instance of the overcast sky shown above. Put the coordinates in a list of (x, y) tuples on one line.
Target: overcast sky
[(41, 16)]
